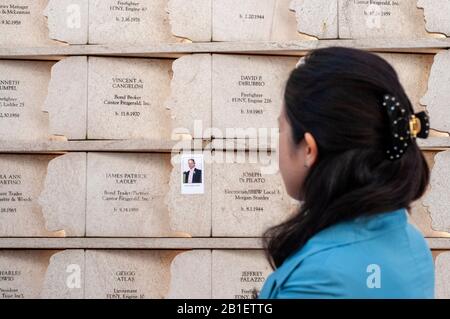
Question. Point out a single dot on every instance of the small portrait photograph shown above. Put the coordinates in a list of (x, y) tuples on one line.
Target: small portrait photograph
[(192, 174)]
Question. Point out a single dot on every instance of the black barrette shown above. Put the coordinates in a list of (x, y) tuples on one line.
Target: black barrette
[(404, 126)]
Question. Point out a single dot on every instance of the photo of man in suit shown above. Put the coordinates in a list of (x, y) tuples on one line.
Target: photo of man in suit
[(193, 175)]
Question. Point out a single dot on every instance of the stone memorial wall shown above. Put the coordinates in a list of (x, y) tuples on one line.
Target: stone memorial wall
[(105, 105)]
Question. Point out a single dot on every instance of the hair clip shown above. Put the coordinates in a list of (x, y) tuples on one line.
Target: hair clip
[(404, 128), (419, 125)]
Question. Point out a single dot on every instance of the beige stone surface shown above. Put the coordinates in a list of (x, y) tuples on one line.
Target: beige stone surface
[(66, 101), (127, 98), (420, 214), (437, 18), (130, 98), (318, 18), (191, 95), (121, 274), (24, 23), (125, 195), (64, 278), (21, 182), (23, 89), (129, 22), (247, 92), (437, 199), (442, 266), (191, 275), (150, 243), (413, 71), (67, 20), (63, 198), (191, 19), (236, 274), (421, 217), (247, 197), (189, 213), (389, 19), (138, 195), (254, 20), (437, 98), (23, 273)]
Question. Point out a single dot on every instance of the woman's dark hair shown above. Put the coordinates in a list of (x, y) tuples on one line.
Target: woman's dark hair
[(337, 96)]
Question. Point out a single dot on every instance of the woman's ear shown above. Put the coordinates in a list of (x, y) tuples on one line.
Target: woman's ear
[(311, 151)]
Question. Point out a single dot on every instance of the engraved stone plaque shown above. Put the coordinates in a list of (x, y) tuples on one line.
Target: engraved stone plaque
[(127, 196), (380, 19), (22, 23), (142, 274), (126, 98), (22, 273), (31, 90), (247, 92), (131, 98), (21, 182), (40, 22), (23, 89), (247, 195), (238, 274), (42, 195), (254, 20), (128, 274), (129, 22), (32, 274)]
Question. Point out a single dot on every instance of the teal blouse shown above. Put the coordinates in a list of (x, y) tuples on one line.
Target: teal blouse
[(379, 256)]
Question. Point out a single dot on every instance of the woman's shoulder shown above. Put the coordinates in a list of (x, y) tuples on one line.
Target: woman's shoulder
[(393, 249), (394, 263)]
